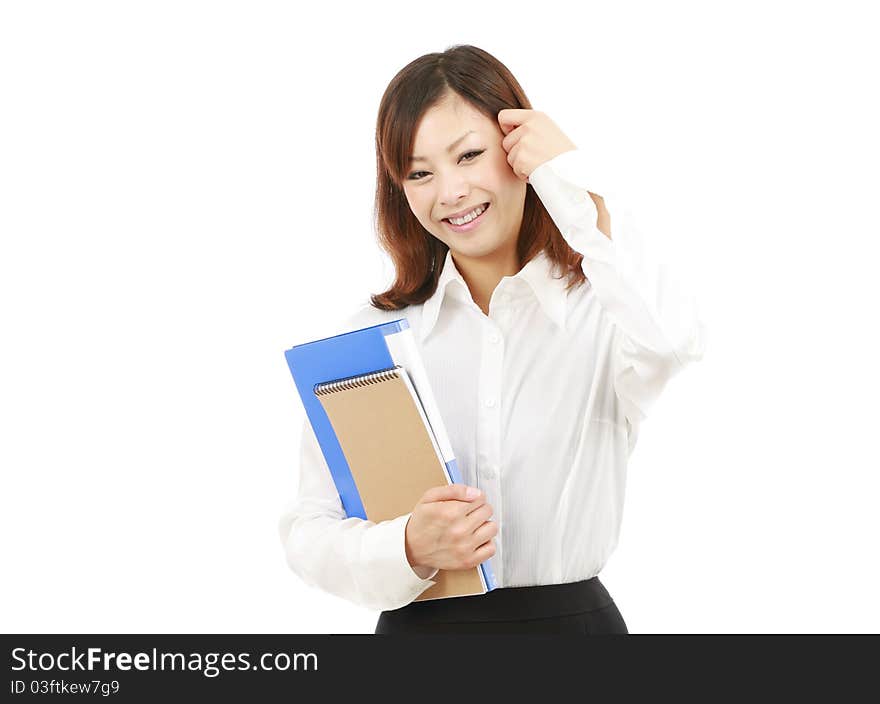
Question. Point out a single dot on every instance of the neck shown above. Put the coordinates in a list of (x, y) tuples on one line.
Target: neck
[(483, 274)]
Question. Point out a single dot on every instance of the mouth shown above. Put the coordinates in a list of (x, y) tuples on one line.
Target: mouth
[(466, 227)]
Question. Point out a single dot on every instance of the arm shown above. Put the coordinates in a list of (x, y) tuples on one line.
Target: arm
[(658, 330), (361, 561)]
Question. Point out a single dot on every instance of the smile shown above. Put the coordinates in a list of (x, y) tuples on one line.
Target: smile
[(467, 226)]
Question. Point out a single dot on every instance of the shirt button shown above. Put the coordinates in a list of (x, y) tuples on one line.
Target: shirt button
[(488, 472), (490, 402), (494, 338)]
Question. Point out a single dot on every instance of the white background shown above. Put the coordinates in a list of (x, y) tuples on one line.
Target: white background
[(186, 191)]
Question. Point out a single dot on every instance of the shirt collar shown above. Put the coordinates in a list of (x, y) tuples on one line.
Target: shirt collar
[(537, 273)]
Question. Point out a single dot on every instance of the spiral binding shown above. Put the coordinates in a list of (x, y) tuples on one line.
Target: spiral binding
[(332, 387)]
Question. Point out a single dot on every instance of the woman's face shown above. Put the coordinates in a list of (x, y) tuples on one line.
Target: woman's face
[(475, 172)]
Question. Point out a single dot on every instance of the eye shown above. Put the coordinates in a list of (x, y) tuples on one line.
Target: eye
[(473, 154), (476, 154)]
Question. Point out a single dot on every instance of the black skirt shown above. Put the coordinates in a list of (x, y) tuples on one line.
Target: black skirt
[(585, 608)]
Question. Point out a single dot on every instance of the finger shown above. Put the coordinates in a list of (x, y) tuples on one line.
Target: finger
[(479, 515), (465, 508), (511, 117), (513, 160), (504, 123), (451, 492), (511, 156), (484, 552), (512, 138), (485, 532)]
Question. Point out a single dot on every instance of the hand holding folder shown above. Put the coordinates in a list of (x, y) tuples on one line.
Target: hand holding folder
[(451, 528), (369, 402)]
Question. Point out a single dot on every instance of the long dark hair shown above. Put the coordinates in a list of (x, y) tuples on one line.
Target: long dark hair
[(488, 85)]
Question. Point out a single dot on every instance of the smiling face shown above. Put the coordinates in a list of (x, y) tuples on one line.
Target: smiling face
[(475, 172)]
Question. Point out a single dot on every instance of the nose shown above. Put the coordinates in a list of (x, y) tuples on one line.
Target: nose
[(453, 190)]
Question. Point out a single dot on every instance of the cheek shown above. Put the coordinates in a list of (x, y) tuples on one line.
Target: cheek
[(505, 190), (501, 180), (417, 205), (423, 212)]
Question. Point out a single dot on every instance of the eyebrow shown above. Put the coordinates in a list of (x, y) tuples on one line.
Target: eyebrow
[(448, 149)]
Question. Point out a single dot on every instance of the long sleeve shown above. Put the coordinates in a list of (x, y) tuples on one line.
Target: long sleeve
[(358, 560), (658, 326)]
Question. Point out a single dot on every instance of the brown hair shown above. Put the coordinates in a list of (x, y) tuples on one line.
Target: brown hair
[(488, 85)]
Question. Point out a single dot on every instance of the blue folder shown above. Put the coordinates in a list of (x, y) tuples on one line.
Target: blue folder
[(365, 351)]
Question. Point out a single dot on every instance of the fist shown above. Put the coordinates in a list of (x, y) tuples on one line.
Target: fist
[(450, 529), (531, 138)]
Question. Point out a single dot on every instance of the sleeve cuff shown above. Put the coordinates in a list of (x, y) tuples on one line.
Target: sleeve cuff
[(387, 545), (562, 184)]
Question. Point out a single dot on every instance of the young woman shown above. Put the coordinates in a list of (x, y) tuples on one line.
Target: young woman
[(547, 333)]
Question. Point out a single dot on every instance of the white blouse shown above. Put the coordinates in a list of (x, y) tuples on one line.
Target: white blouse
[(542, 400)]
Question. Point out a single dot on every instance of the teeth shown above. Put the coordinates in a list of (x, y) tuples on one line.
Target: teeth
[(467, 218)]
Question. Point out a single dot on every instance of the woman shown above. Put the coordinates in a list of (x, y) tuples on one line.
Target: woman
[(547, 334)]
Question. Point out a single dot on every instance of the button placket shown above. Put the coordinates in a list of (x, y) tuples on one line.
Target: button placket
[(489, 424), (490, 397)]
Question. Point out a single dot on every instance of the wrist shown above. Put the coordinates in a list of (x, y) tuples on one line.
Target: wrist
[(412, 555)]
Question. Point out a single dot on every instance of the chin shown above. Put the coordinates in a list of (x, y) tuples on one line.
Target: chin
[(476, 250)]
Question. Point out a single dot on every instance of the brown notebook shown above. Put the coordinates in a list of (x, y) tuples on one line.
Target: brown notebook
[(393, 456)]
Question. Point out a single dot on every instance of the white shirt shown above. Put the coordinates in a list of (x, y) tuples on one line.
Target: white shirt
[(542, 400)]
